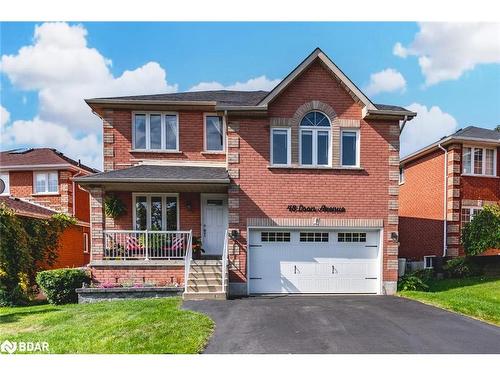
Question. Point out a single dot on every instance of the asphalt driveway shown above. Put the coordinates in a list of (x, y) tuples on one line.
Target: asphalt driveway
[(342, 324)]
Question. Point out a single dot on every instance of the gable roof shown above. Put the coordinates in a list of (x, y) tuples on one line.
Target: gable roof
[(24, 208), (38, 157), (254, 100), (468, 134)]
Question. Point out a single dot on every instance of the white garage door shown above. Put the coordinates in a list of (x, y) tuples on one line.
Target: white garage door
[(322, 261)]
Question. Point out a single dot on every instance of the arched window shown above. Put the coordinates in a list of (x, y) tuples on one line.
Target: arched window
[(315, 145)]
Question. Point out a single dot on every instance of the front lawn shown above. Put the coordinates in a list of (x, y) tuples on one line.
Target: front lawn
[(478, 297), (131, 326)]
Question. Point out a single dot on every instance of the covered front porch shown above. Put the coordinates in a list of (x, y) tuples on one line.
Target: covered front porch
[(169, 216)]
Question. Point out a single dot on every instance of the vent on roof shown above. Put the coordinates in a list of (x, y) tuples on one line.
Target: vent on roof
[(20, 150)]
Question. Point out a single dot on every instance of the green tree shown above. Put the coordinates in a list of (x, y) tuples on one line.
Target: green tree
[(483, 231), (27, 245)]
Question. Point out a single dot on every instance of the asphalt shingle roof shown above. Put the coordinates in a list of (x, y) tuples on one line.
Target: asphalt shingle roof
[(24, 208), (161, 173), (475, 132)]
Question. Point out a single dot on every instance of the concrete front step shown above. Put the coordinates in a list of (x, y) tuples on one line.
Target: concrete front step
[(206, 262), (204, 288), (205, 282), (204, 269), (187, 296), (205, 275)]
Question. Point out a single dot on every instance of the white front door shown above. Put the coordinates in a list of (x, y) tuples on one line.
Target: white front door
[(319, 261), (214, 222)]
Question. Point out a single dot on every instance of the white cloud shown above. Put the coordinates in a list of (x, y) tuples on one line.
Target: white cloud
[(4, 116), (430, 125), (447, 50), (253, 84), (40, 133), (387, 80), (64, 70)]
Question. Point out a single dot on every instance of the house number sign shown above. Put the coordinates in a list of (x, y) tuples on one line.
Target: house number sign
[(323, 208)]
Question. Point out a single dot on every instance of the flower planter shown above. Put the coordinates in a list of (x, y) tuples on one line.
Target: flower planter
[(90, 295)]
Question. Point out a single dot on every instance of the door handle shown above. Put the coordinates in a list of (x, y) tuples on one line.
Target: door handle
[(295, 270), (204, 232), (333, 270)]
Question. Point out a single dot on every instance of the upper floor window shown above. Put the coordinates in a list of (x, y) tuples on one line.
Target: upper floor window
[(4, 183), (214, 133), (156, 131), (479, 161), (350, 148), (46, 182), (280, 146), (315, 147)]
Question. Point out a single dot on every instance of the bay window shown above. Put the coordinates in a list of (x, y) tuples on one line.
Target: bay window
[(155, 131), (479, 161), (315, 145), (155, 212), (46, 182), (280, 146), (349, 148), (214, 133)]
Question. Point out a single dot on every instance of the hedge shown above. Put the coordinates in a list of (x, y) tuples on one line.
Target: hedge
[(59, 285)]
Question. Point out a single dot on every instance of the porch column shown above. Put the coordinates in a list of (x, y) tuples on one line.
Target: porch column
[(96, 223)]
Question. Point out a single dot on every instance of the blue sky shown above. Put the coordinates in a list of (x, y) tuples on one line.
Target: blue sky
[(439, 70)]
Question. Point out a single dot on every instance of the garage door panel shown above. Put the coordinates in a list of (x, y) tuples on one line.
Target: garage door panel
[(322, 267)]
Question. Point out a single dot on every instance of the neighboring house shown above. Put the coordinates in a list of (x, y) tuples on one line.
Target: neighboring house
[(298, 185), (39, 182), (442, 186)]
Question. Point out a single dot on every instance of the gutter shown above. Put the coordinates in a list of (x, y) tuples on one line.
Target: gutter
[(88, 180), (153, 102), (445, 204)]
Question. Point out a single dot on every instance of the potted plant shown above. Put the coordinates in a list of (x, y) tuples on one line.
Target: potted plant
[(197, 247)]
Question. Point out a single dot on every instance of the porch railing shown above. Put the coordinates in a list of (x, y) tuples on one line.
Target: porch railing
[(225, 254), (187, 264), (146, 245)]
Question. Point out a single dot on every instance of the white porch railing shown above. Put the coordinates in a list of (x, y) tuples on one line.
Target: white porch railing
[(225, 256), (187, 263), (147, 245)]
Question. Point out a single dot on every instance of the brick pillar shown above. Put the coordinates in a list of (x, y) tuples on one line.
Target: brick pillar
[(453, 194), (66, 192), (96, 223), (391, 245), (108, 140)]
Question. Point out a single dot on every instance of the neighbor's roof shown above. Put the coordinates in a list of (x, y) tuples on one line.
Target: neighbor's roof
[(38, 157), (24, 208), (468, 134), (160, 174), (256, 100)]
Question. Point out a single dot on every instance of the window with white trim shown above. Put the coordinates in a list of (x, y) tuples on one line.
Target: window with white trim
[(314, 236), (351, 237), (155, 131), (4, 184), (349, 148), (280, 146), (429, 261), (214, 133), (401, 175), (468, 213), (46, 182), (315, 145), (479, 161), (156, 212), (86, 243), (275, 236)]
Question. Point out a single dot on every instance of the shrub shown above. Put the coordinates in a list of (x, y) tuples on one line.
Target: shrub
[(113, 206), (411, 282), (59, 285), (461, 267), (483, 232)]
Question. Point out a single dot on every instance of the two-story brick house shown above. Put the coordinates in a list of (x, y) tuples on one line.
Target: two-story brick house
[(39, 182), (442, 186), (297, 187)]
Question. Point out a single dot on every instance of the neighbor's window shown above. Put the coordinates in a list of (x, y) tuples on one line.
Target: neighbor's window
[(468, 213), (280, 146), (4, 183), (401, 175), (479, 161), (429, 261), (155, 131), (214, 133), (46, 182), (155, 212), (85, 243), (275, 236), (351, 237), (315, 148), (350, 148)]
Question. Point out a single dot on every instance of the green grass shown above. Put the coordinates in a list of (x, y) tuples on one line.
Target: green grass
[(478, 297), (131, 326)]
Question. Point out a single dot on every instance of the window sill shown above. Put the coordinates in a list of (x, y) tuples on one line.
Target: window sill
[(45, 194), (316, 167), (156, 151), (213, 152), (479, 175)]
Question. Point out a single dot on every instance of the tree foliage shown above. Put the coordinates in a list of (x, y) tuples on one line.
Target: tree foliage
[(113, 206), (26, 246), (483, 231)]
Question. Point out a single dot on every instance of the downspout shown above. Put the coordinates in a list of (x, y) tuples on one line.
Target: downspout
[(403, 124), (445, 197)]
